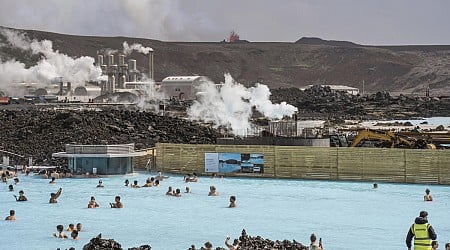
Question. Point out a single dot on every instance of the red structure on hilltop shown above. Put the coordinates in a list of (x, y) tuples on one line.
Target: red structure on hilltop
[(234, 37)]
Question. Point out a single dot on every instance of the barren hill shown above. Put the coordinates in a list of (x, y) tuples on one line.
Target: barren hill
[(398, 69)]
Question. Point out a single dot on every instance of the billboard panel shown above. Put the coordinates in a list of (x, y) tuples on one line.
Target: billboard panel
[(234, 163)]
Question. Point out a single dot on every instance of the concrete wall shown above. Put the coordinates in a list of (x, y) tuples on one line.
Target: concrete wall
[(322, 163)]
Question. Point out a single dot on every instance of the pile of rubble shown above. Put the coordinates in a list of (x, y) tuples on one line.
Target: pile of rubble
[(39, 133), (247, 242), (97, 243)]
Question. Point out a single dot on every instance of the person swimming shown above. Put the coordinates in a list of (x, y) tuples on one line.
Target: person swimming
[(92, 203), (21, 197), (177, 193), (188, 190), (232, 201), (117, 203), (74, 234), (60, 233), (79, 226), (127, 182), (54, 196), (135, 184), (148, 183), (213, 191), (100, 184), (53, 181), (169, 191), (71, 227), (427, 196), (11, 188), (12, 215)]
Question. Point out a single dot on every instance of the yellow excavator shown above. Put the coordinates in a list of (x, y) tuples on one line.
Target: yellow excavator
[(389, 139)]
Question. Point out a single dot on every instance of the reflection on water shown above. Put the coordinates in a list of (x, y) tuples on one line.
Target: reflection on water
[(341, 213)]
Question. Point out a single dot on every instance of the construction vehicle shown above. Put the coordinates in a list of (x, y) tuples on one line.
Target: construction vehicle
[(388, 139)]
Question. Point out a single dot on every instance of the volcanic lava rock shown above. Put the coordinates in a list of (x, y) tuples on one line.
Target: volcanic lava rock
[(320, 102), (41, 132), (97, 243), (247, 242)]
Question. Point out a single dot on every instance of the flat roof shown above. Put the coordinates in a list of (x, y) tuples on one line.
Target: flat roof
[(66, 155)]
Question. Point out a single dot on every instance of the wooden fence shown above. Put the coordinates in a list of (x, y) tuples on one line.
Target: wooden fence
[(321, 163)]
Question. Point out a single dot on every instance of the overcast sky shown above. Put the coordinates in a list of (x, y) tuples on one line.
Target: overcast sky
[(371, 22)]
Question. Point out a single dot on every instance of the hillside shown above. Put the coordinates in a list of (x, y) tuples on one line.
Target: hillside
[(397, 69)]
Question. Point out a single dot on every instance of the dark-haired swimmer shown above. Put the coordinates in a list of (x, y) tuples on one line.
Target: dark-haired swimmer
[(148, 183), (11, 188), (21, 197), (100, 184), (12, 215), (169, 191), (213, 191), (54, 196), (92, 203), (117, 203), (232, 201), (135, 185), (427, 196), (60, 233), (74, 235), (79, 226), (127, 182), (177, 193), (71, 227), (53, 181), (156, 183)]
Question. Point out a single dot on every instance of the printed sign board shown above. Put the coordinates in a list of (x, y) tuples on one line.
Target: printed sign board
[(234, 163)]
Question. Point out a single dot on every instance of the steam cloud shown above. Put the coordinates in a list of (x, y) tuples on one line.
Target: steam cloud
[(127, 49), (52, 65), (231, 105)]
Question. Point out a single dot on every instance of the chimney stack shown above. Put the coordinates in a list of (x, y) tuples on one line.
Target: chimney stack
[(150, 64)]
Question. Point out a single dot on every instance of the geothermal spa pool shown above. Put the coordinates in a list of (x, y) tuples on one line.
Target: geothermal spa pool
[(347, 215)]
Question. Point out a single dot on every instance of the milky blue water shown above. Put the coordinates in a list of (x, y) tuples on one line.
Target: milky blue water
[(346, 215)]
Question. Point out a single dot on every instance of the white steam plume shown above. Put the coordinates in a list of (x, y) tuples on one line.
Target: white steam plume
[(127, 49), (52, 65), (231, 105)]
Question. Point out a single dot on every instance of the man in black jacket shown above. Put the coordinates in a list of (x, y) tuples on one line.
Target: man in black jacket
[(422, 232)]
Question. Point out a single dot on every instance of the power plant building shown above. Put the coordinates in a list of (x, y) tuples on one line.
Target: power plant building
[(182, 87)]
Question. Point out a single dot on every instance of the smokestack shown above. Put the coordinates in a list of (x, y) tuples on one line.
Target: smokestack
[(121, 60), (150, 64), (132, 64), (99, 60), (132, 70), (110, 60)]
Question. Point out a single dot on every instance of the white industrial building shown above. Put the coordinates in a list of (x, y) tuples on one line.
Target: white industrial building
[(182, 87)]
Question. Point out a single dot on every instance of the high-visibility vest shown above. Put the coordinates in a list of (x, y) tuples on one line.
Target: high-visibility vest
[(422, 240)]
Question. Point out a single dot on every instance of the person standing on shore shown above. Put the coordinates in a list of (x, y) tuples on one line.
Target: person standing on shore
[(422, 232)]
